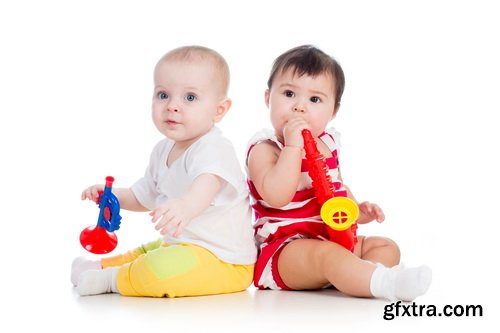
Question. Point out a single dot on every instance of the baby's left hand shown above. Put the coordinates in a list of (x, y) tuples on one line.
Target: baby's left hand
[(368, 212), (175, 214)]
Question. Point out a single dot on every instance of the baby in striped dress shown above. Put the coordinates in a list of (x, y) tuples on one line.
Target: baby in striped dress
[(304, 92)]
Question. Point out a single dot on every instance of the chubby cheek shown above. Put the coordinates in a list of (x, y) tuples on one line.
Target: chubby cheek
[(279, 113), (319, 126), (155, 115), (278, 122)]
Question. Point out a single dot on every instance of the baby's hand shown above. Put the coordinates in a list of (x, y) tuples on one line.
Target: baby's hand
[(369, 212), (292, 132), (92, 193), (175, 214)]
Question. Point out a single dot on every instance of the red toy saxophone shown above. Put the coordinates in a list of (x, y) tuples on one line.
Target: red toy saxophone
[(339, 213)]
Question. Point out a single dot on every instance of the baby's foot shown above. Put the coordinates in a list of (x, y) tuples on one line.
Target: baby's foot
[(80, 265), (412, 282), (400, 283), (94, 282)]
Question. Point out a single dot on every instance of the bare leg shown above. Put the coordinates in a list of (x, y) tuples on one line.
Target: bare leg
[(312, 263), (378, 250)]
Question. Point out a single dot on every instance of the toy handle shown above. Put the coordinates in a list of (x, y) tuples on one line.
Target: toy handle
[(109, 214), (100, 238), (108, 185)]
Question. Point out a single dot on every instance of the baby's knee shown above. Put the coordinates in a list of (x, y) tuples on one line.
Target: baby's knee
[(389, 247), (393, 246), (393, 251)]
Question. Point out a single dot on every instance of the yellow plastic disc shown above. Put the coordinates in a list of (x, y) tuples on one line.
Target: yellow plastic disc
[(339, 213)]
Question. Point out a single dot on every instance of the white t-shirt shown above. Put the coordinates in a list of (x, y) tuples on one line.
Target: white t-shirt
[(225, 227)]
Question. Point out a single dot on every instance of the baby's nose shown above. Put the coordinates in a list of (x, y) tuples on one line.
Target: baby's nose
[(298, 108), (172, 107)]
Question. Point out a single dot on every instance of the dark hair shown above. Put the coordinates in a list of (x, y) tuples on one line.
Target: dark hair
[(311, 61)]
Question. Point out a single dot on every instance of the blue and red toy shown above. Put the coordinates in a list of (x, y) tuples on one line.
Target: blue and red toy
[(101, 239)]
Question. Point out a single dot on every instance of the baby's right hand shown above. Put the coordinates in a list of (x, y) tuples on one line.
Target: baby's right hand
[(292, 133), (92, 193)]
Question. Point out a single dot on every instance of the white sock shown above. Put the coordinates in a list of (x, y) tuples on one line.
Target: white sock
[(80, 265), (101, 281), (400, 283)]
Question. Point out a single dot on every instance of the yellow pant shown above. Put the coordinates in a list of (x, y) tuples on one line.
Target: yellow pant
[(157, 269)]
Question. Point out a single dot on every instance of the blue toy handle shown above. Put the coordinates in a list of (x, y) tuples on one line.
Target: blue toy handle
[(109, 208)]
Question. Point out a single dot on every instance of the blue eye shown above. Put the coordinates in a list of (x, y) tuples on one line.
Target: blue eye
[(162, 95), (289, 93), (190, 97), (315, 99)]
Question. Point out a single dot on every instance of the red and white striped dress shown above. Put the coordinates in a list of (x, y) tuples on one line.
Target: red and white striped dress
[(275, 227)]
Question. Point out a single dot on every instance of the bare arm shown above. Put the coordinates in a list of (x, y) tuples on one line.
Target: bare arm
[(177, 213), (202, 192), (275, 174), (125, 196), (128, 200)]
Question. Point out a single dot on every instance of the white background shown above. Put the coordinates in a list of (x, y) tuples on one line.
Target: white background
[(419, 135)]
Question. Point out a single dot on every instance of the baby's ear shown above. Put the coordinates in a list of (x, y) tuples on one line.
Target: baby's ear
[(222, 109), (266, 97)]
